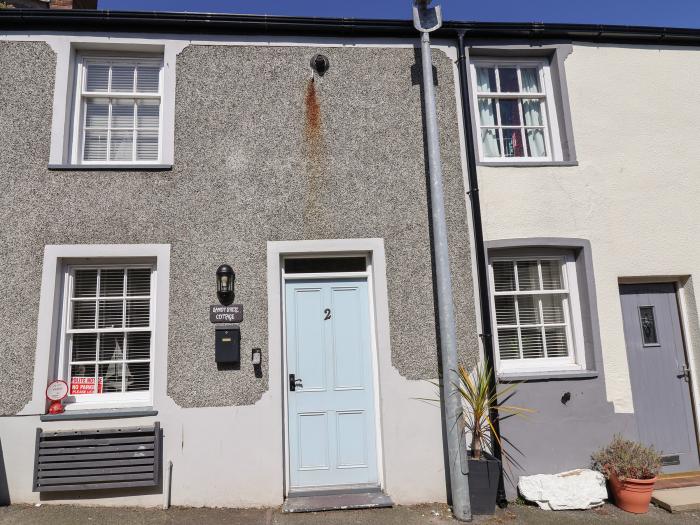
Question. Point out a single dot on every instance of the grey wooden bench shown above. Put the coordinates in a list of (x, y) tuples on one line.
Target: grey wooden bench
[(97, 459)]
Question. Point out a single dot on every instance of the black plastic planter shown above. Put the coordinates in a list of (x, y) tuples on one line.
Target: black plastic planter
[(483, 483)]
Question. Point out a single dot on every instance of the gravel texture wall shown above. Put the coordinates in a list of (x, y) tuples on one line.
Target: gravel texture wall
[(261, 153)]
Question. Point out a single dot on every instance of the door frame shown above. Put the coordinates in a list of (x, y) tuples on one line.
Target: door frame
[(681, 303), (377, 295)]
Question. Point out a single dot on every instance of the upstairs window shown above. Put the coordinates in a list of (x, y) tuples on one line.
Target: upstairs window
[(107, 335), (118, 111), (514, 111), (536, 313)]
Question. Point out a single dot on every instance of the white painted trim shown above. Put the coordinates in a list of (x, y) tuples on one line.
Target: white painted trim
[(689, 356), (49, 320), (379, 317), (65, 125)]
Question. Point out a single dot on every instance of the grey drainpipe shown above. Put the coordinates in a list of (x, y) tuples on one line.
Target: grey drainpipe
[(481, 273), (425, 20)]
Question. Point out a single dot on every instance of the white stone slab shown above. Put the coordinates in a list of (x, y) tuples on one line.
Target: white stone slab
[(572, 490)]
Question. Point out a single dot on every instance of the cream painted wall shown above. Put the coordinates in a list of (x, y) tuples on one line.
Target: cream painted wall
[(635, 192)]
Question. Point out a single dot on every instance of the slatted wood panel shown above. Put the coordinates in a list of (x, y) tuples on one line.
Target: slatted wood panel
[(97, 459)]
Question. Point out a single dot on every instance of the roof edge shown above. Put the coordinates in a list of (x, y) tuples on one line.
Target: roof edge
[(211, 23)]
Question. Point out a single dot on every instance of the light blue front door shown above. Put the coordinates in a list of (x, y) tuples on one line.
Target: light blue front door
[(332, 437)]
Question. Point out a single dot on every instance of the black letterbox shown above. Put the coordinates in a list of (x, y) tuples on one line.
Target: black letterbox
[(228, 344)]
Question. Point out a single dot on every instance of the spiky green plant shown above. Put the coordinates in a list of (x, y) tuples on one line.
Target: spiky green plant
[(483, 406)]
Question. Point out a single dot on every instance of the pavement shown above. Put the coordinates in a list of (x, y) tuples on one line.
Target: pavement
[(436, 514)]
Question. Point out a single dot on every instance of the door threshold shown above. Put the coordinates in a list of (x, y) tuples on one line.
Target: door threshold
[(329, 498)]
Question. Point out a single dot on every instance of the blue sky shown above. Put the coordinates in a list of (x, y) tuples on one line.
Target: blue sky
[(670, 13)]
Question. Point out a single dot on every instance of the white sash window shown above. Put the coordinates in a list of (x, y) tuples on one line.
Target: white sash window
[(537, 313), (119, 111), (514, 109), (107, 333)]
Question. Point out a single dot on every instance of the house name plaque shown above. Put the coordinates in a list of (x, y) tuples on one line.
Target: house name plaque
[(226, 314)]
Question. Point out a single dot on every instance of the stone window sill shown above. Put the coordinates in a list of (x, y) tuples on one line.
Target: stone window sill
[(526, 164), (110, 167), (546, 376), (104, 413)]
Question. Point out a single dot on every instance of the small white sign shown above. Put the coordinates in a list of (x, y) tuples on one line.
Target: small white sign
[(56, 390)]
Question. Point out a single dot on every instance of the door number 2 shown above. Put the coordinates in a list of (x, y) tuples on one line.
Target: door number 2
[(327, 311)]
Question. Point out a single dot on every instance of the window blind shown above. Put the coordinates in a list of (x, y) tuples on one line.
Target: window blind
[(121, 111), (531, 306), (110, 332)]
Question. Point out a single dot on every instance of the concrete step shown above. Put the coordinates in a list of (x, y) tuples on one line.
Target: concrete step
[(681, 499), (354, 500)]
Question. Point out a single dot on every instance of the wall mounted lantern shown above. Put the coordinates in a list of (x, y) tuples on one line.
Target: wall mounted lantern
[(225, 282)]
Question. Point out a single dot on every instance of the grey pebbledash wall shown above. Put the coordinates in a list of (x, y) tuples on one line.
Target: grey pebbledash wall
[(261, 153)]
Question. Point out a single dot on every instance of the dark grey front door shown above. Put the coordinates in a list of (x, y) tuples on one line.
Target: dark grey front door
[(658, 372)]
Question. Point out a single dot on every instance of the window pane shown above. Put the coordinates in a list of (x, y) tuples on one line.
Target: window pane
[(111, 376), (535, 143), (486, 79), (112, 282), (646, 318), (121, 145), (82, 379), (532, 343), (531, 80), (148, 79), (553, 308), (110, 314), (528, 309), (487, 112), (97, 113), (556, 342), (532, 112), (137, 312), (508, 347), (123, 114), (95, 148), (138, 345), (83, 314), (551, 275), (97, 77), (505, 310), (513, 143), (138, 376), (509, 79), (503, 276), (138, 281), (147, 145), (123, 78), (85, 283), (84, 347), (148, 114), (528, 277), (510, 112), (490, 139), (111, 347)]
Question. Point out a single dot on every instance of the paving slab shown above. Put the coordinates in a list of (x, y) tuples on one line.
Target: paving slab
[(681, 499)]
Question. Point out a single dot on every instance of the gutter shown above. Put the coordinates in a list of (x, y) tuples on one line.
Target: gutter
[(479, 248), (210, 23)]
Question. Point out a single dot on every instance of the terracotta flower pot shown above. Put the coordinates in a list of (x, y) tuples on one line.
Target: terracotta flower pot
[(632, 495)]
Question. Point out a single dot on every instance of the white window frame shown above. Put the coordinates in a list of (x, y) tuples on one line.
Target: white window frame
[(108, 399), (576, 360), (549, 114), (80, 95)]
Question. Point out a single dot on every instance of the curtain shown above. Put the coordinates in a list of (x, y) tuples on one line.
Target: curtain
[(489, 137), (532, 113), (530, 80)]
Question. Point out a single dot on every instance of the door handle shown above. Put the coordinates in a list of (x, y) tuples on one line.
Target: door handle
[(294, 383), (684, 373)]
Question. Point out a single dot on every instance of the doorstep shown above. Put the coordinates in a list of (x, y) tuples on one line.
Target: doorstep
[(680, 499), (678, 479), (319, 501)]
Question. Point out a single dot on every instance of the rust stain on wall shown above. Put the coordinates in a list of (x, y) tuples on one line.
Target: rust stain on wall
[(314, 146)]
